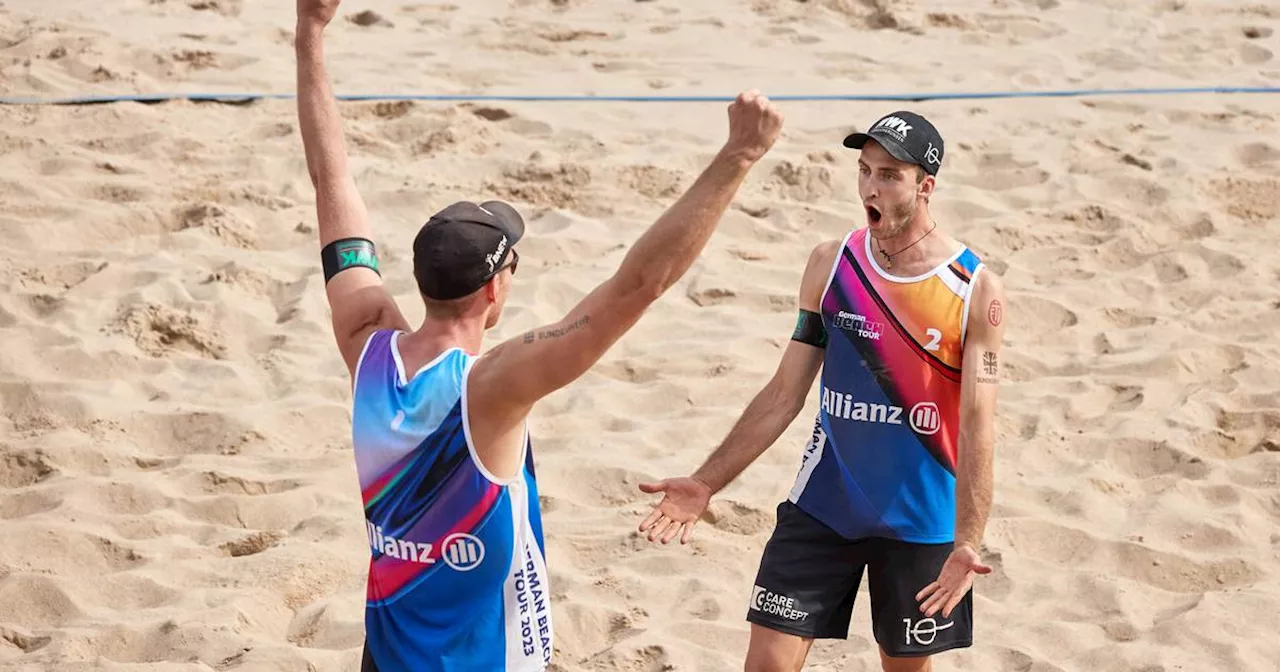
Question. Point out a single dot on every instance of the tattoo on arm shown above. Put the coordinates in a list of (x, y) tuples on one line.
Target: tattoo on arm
[(531, 336), (995, 313), (991, 367)]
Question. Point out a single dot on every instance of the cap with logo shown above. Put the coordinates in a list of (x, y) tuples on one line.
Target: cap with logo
[(462, 246), (907, 136)]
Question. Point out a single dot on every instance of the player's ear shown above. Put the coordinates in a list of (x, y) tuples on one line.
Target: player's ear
[(924, 183)]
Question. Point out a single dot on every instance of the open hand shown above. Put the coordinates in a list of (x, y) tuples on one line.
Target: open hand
[(685, 499), (754, 125), (319, 12), (954, 581)]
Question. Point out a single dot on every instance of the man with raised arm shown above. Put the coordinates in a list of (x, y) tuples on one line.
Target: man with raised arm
[(905, 324), (457, 578)]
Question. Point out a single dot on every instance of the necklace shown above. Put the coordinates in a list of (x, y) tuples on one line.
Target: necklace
[(888, 258)]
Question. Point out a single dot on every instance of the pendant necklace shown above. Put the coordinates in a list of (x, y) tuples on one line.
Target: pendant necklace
[(888, 258)]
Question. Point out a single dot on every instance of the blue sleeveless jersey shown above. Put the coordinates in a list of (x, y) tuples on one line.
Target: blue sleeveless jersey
[(881, 460), (457, 573)]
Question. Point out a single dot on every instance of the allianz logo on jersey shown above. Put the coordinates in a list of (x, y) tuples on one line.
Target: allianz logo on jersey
[(461, 551), (923, 418), (859, 325)]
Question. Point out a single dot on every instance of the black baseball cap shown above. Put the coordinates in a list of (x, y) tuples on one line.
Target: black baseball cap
[(462, 246), (907, 136)]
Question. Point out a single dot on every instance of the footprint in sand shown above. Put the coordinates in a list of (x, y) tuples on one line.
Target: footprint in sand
[(19, 469), (1257, 155), (23, 504), (126, 592), (160, 331), (1127, 319), (214, 483), (1144, 459), (127, 498), (736, 518), (24, 641), (1168, 271), (179, 434), (316, 626), (225, 224), (1003, 172), (1253, 54), (1256, 201), (223, 7), (36, 601), (251, 544), (1079, 550), (805, 182), (1049, 313)]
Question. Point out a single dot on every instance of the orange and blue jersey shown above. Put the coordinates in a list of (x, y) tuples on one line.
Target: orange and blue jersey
[(457, 573), (882, 458)]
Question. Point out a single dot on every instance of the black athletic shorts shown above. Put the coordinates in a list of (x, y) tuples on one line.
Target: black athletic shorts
[(809, 576)]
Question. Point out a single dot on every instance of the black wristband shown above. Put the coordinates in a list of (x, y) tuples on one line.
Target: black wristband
[(810, 329), (345, 253)]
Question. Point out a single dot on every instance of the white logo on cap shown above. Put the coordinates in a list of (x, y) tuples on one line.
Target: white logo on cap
[(896, 125), (931, 154), (493, 259)]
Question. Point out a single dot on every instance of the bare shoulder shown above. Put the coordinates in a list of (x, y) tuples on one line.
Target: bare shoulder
[(821, 258), (817, 271), (988, 309), (988, 292), (824, 253)]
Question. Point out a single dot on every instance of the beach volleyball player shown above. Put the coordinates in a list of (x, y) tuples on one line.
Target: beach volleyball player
[(905, 325), (457, 577)]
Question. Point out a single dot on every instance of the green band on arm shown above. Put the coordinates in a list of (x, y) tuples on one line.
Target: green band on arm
[(345, 253), (809, 329)]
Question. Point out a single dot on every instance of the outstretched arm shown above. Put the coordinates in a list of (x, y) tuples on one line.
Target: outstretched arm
[(774, 407), (357, 298), (509, 379)]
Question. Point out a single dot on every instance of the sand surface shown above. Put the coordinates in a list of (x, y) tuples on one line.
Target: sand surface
[(176, 488)]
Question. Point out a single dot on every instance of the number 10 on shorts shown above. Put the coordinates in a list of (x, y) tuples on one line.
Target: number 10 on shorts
[(923, 631)]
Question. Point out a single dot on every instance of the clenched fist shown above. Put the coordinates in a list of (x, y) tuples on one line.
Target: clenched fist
[(754, 125), (318, 12)]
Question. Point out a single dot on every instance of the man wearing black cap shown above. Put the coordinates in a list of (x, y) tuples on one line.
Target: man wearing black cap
[(905, 325), (457, 574)]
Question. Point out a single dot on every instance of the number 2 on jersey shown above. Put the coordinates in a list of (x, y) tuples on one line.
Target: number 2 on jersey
[(935, 337)]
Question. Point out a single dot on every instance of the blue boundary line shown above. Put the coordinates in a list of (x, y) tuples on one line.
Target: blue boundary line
[(914, 97)]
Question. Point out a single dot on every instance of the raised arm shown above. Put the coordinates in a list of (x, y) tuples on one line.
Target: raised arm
[(768, 415), (508, 380), (357, 299)]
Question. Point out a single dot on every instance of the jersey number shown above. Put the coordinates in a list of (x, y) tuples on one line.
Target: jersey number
[(935, 336)]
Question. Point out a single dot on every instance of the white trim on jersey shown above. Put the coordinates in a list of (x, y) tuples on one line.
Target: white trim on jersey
[(471, 446), (518, 589), (955, 284), (400, 370), (871, 257), (968, 296), (814, 451), (394, 345), (511, 615)]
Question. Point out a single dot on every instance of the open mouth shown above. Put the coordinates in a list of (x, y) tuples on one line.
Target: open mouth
[(873, 214)]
